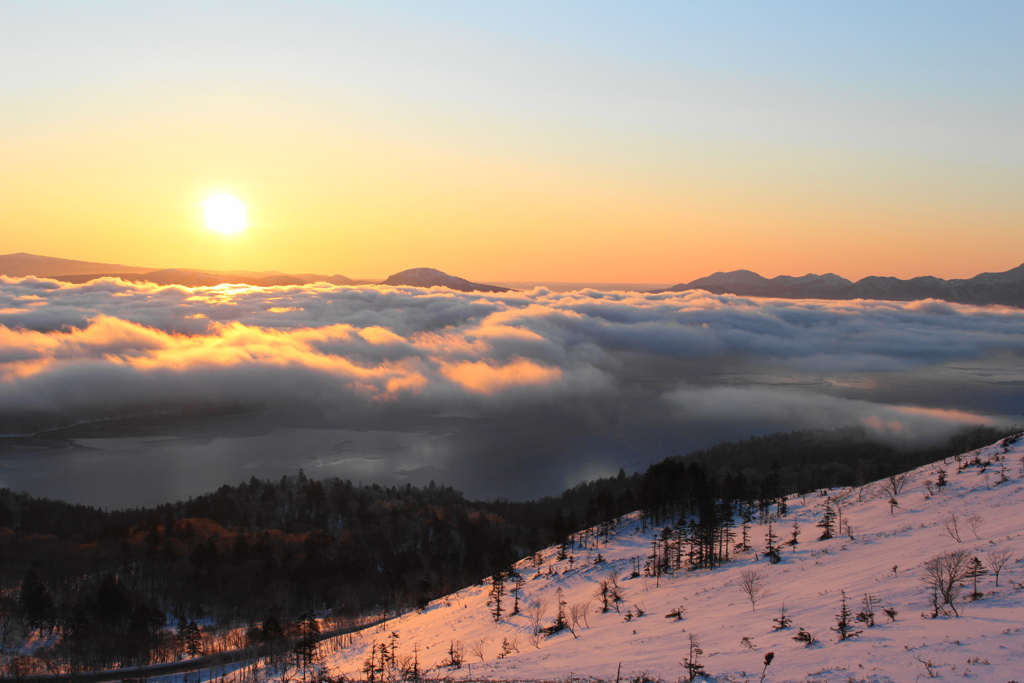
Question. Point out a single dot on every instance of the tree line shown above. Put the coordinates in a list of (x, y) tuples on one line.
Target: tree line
[(109, 586)]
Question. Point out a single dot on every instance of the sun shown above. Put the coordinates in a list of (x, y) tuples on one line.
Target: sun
[(225, 213)]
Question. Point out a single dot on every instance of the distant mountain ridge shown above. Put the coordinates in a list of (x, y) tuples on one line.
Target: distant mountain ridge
[(429, 277), (69, 270), (1006, 288), (78, 272), (22, 264)]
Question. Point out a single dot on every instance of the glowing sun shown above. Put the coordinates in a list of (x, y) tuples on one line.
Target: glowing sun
[(225, 213)]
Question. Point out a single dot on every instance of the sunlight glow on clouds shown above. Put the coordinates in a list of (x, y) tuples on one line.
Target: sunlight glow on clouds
[(678, 363), (484, 378)]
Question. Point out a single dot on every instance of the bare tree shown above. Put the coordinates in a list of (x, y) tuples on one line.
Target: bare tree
[(477, 648), (975, 522), (609, 592), (535, 614), (508, 647), (943, 575), (894, 485), (997, 560), (951, 525), (578, 615), (9, 625), (752, 582)]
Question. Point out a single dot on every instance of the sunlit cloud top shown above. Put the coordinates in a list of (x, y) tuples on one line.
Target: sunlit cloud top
[(158, 346), (516, 394)]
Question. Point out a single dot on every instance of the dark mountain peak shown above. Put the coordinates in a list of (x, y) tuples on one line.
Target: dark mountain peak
[(988, 288), (335, 279), (732, 278), (746, 282), (431, 277), (1014, 275), (828, 279)]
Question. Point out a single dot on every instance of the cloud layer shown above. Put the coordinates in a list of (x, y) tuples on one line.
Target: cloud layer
[(572, 383)]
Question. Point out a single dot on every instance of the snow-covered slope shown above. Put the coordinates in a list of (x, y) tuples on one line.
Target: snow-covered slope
[(883, 555)]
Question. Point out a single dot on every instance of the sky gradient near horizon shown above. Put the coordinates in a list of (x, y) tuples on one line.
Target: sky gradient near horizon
[(533, 141)]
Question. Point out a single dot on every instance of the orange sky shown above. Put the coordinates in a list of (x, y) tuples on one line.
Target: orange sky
[(366, 143)]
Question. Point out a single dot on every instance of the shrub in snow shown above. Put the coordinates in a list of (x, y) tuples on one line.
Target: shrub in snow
[(676, 614), (804, 636), (456, 655), (866, 615), (782, 621)]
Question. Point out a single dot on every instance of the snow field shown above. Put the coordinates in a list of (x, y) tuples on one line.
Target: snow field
[(884, 558)]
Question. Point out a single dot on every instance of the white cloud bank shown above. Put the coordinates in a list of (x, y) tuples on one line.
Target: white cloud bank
[(548, 373)]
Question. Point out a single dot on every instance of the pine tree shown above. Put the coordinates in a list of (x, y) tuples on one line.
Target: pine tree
[(517, 589), (507, 648), (746, 519), (844, 627), (456, 655), (270, 630), (782, 621), (36, 602), (560, 621), (976, 570), (413, 673), (192, 639), (794, 539), (495, 595), (307, 648), (393, 649), (828, 521), (692, 662), (771, 550), (370, 670)]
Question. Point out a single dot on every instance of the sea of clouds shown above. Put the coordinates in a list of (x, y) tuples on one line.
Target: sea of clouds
[(535, 390)]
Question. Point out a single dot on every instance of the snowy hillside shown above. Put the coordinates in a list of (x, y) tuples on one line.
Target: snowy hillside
[(882, 552)]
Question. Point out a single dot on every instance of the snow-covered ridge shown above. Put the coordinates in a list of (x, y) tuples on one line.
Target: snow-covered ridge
[(882, 552)]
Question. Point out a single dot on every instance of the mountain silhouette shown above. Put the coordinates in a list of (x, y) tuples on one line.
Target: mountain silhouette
[(77, 272), (429, 277), (22, 264), (1006, 288)]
